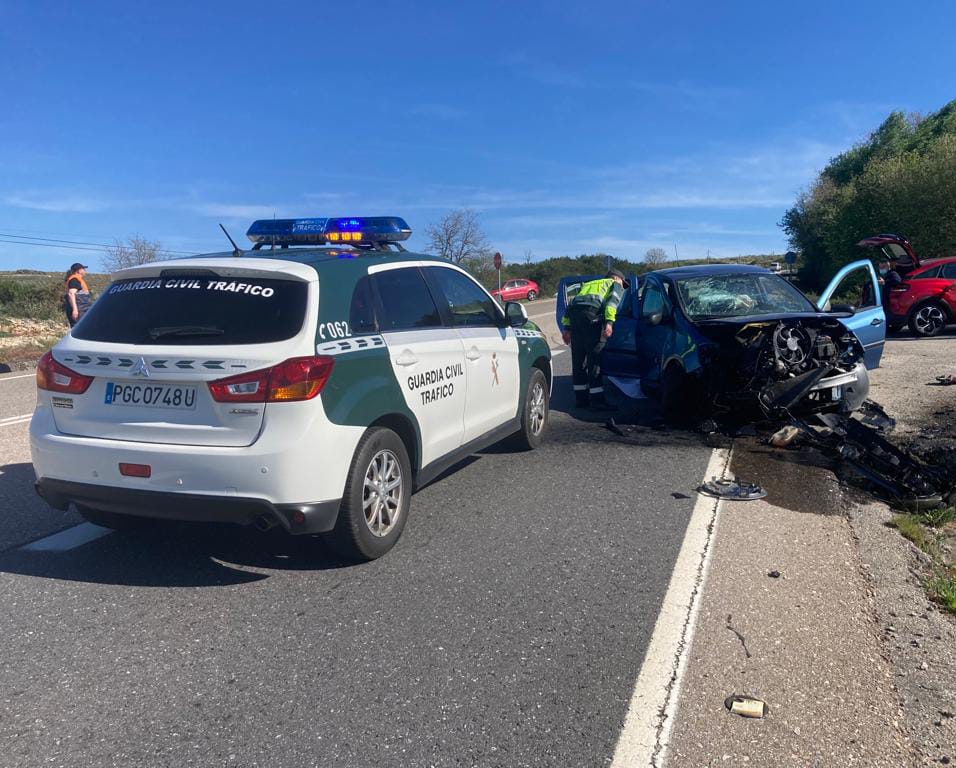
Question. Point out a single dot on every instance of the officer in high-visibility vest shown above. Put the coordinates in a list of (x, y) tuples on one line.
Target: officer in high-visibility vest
[(77, 298), (587, 324)]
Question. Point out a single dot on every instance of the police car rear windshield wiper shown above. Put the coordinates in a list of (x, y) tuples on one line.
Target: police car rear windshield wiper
[(184, 330)]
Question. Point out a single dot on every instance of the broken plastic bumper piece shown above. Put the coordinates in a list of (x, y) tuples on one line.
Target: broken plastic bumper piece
[(732, 490)]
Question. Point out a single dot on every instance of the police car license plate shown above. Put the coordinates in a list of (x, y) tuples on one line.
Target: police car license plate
[(173, 396)]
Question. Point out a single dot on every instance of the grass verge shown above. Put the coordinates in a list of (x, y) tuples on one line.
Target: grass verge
[(934, 533)]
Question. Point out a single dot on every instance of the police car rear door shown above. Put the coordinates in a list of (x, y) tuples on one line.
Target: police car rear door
[(491, 350), (427, 358)]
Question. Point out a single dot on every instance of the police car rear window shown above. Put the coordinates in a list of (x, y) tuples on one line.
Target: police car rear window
[(196, 311)]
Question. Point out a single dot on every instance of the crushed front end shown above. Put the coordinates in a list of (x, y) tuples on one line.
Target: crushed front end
[(784, 365)]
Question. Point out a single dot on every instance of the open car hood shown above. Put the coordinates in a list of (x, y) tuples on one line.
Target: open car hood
[(878, 241)]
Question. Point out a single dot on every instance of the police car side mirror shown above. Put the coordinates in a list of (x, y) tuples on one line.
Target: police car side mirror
[(516, 314)]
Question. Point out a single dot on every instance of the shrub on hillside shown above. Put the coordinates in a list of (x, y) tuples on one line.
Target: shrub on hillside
[(901, 180), (33, 299)]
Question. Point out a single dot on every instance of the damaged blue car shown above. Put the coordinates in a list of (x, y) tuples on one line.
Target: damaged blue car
[(728, 338)]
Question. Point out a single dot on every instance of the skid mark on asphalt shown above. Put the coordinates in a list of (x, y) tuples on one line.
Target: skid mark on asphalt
[(69, 539)]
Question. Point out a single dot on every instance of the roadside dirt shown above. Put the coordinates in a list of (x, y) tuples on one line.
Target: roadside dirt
[(23, 342), (857, 663), (918, 636)]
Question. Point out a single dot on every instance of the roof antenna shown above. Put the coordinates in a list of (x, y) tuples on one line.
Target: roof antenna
[(236, 250)]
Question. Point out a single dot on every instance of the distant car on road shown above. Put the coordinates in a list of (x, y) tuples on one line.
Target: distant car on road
[(515, 290), (926, 299), (731, 335)]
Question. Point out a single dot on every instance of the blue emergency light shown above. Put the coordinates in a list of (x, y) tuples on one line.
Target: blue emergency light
[(362, 232)]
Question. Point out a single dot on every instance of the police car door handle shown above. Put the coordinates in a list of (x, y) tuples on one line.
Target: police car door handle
[(406, 359), (473, 354)]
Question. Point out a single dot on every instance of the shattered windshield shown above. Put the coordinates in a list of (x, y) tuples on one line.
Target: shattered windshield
[(739, 295)]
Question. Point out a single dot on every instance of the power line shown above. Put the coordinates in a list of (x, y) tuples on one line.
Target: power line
[(96, 249), (78, 242)]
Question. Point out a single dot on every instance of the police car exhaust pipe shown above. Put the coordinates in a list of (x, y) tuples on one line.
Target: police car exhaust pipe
[(264, 523)]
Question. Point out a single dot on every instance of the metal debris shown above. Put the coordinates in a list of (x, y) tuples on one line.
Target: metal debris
[(896, 473), (947, 380), (774, 574), (732, 490), (679, 495)]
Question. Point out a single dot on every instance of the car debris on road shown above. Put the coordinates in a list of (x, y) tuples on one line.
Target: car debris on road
[(732, 490)]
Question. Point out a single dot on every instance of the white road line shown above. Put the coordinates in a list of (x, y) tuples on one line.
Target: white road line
[(10, 420), (650, 714), (22, 376), (71, 538)]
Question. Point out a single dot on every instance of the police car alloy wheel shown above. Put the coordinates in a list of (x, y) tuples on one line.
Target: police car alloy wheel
[(376, 499), (534, 418), (384, 493)]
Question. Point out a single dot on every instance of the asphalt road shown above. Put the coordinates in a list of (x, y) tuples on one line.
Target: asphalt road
[(506, 628)]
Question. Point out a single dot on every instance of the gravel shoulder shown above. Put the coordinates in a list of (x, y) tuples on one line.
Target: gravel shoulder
[(857, 665)]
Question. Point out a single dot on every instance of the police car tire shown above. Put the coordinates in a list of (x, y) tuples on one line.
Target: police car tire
[(351, 537), (526, 438)]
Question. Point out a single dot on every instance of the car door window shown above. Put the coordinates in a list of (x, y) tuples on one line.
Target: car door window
[(855, 289), (653, 300), (949, 271), (405, 300), (468, 304), (926, 274), (362, 311)]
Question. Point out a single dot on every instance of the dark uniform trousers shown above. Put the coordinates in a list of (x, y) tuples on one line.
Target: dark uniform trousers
[(587, 343)]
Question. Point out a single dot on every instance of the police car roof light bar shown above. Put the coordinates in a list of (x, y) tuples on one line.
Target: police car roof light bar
[(358, 232)]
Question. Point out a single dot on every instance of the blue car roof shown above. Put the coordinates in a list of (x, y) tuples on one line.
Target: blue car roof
[(709, 270)]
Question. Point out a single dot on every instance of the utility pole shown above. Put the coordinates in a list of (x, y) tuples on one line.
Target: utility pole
[(675, 251)]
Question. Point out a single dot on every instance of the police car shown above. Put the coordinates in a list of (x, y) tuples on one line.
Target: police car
[(312, 382)]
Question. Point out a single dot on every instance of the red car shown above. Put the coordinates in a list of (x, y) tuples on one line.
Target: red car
[(926, 299), (513, 290)]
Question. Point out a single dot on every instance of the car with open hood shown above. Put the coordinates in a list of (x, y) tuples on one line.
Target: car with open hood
[(731, 337), (926, 299)]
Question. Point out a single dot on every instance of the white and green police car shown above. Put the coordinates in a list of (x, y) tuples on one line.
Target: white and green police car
[(312, 382)]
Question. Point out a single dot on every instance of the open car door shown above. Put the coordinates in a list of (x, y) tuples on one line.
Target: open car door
[(567, 289), (855, 288)]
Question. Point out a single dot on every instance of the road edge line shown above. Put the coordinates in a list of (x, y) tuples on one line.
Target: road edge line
[(643, 740)]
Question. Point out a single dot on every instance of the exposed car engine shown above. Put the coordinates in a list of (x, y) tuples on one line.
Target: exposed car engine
[(791, 365)]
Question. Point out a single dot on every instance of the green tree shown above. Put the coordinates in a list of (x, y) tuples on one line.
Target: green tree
[(902, 179)]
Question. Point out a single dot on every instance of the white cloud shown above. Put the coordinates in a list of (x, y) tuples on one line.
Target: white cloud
[(57, 204)]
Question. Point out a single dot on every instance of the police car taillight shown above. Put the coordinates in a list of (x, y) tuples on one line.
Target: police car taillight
[(55, 377), (299, 378)]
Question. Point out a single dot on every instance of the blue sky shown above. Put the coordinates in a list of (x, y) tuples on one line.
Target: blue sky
[(570, 127)]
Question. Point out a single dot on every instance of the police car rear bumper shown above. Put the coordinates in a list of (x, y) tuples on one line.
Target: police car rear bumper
[(312, 517)]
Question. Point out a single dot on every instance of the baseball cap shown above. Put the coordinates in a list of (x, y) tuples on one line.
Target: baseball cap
[(618, 273), (77, 266)]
